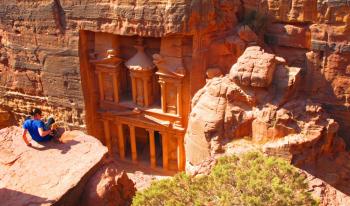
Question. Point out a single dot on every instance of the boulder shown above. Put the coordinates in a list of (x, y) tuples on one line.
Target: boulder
[(48, 173), (254, 68), (108, 186)]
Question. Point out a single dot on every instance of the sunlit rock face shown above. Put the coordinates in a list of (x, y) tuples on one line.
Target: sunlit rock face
[(256, 99), (48, 173), (39, 45), (39, 63), (261, 100), (314, 35), (268, 69)]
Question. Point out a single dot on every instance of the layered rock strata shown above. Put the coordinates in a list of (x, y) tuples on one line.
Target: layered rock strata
[(260, 100), (313, 35), (39, 46)]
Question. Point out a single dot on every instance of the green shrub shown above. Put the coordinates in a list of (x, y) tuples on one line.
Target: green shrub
[(252, 179)]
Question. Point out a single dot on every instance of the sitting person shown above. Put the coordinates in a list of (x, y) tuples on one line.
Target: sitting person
[(38, 130)]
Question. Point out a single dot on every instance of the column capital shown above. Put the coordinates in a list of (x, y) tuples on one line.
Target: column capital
[(161, 82), (149, 130)]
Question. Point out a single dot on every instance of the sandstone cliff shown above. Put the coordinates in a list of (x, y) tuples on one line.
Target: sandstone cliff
[(39, 45), (59, 174), (260, 100)]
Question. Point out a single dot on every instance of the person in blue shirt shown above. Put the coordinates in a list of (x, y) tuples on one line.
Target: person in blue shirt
[(38, 130)]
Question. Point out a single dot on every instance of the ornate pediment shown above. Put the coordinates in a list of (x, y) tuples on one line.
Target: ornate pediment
[(110, 59), (169, 66)]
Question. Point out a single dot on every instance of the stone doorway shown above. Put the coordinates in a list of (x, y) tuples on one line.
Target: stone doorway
[(145, 153)]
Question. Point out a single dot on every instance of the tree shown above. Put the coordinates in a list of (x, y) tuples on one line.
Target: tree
[(251, 179)]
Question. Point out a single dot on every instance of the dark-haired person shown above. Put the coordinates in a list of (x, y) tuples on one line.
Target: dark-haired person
[(38, 130)]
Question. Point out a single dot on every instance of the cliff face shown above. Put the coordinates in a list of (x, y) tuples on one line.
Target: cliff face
[(287, 93), (39, 63), (39, 44), (315, 36)]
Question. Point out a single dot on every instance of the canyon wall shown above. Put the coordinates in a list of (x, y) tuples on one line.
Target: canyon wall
[(315, 36), (39, 46)]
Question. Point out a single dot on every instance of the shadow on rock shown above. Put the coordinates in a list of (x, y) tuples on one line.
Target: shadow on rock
[(13, 197)]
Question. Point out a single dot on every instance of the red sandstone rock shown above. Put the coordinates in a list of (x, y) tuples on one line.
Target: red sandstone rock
[(247, 34), (46, 174), (108, 186), (328, 178), (290, 35), (214, 72), (39, 44), (254, 68), (6, 119), (229, 107)]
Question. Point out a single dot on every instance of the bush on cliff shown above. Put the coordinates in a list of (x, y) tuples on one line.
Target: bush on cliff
[(251, 179)]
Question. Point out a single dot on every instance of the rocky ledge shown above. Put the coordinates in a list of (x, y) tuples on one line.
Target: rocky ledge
[(57, 174)]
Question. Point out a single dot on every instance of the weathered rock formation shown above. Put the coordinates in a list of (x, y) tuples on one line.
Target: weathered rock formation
[(314, 35), (288, 92), (6, 119), (39, 46), (328, 178), (260, 100), (54, 173), (108, 186)]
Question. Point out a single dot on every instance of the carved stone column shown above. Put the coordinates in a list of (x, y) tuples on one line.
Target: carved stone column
[(179, 99), (133, 87), (163, 95), (146, 89), (121, 141), (116, 87), (165, 147), (100, 86), (171, 73), (152, 148), (180, 153), (108, 136), (133, 143)]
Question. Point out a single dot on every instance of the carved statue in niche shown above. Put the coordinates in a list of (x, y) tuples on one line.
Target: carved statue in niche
[(141, 72), (107, 70), (108, 88), (171, 72), (171, 99)]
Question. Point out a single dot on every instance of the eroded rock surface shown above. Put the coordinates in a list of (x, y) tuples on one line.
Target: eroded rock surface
[(260, 100), (6, 119), (329, 180), (250, 101), (46, 174), (39, 44), (108, 186)]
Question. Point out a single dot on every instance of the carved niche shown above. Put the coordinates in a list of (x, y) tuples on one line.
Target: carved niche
[(107, 71), (141, 73), (171, 73)]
